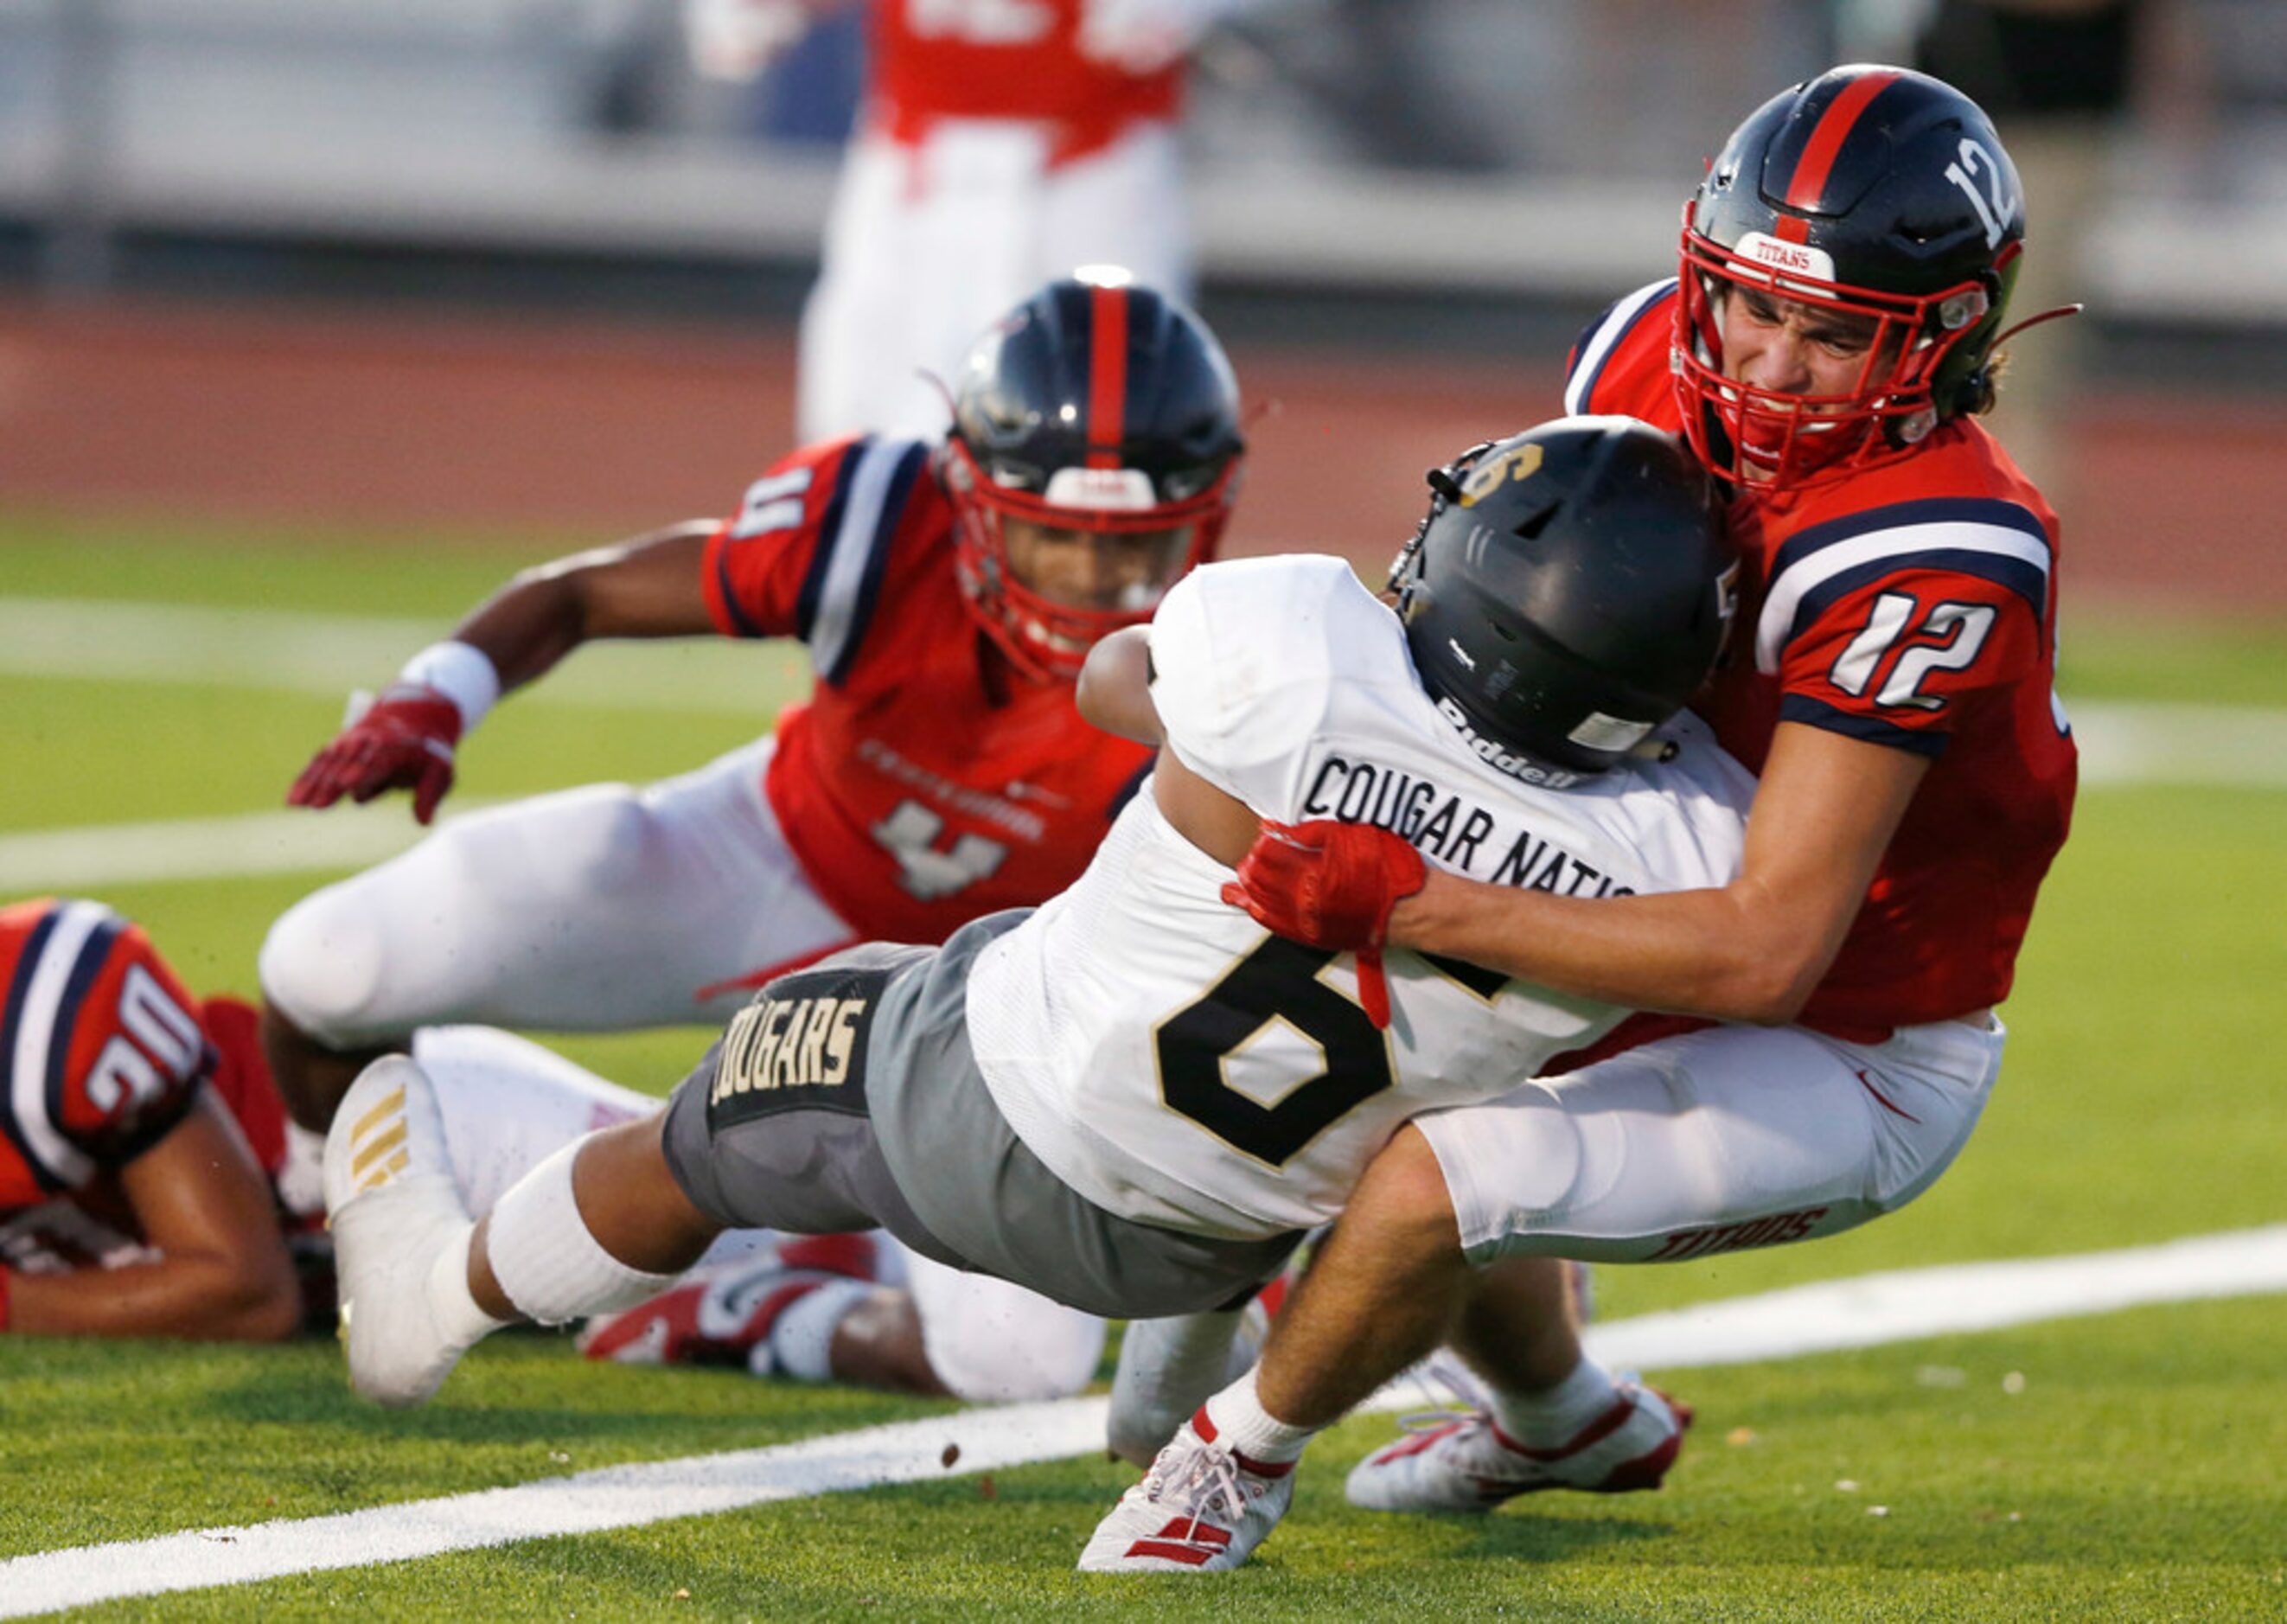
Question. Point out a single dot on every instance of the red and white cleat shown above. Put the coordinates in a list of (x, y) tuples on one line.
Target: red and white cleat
[(724, 1315), (1200, 1508), (1459, 1460)]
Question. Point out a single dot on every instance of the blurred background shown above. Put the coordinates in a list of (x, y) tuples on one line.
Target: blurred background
[(522, 263)]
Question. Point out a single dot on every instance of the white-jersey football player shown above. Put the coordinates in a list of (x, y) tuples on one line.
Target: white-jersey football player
[(1133, 1099)]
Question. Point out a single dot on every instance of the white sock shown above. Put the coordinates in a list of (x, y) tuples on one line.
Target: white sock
[(1556, 1415), (548, 1262), (1241, 1423), (452, 1307), (800, 1345)]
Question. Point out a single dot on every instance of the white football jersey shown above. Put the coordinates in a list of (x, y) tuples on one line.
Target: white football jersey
[(1178, 1064)]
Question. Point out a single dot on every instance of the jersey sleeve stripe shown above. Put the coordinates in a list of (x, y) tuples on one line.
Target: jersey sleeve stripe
[(1597, 345), (1857, 725), (2004, 554), (49, 974), (829, 531), (12, 1016), (84, 969), (1902, 515), (861, 548), (726, 594)]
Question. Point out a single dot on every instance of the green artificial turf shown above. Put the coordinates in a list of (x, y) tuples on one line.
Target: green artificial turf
[(2136, 1475)]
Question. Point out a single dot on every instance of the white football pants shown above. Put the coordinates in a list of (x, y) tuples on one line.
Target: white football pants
[(927, 246), (594, 909), (1713, 1142)]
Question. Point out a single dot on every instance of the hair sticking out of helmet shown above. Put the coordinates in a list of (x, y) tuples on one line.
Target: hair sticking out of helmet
[(1872, 217), (1567, 592), (1093, 459)]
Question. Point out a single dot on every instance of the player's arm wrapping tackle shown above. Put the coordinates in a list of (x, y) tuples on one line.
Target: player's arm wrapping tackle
[(1333, 885)]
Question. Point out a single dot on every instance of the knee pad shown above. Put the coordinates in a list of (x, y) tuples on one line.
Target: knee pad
[(321, 967)]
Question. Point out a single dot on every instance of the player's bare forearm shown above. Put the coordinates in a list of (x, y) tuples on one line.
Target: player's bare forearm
[(221, 1273), (1115, 687), (646, 586), (1690, 953), (200, 1297), (1753, 950)]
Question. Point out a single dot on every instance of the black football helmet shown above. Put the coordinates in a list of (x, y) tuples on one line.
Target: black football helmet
[(1568, 592), (1876, 191), (1095, 405)]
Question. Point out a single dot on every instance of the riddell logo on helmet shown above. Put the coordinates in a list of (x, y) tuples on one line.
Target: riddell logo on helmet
[(1796, 257), (1495, 754)]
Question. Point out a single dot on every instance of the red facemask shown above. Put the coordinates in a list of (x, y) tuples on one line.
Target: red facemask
[(1772, 442), (1046, 637)]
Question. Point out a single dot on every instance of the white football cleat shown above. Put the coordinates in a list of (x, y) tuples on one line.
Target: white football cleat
[(1201, 1509), (395, 1211), (1460, 1461)]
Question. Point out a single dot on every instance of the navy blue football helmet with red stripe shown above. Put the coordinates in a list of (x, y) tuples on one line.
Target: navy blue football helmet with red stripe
[(1093, 459), (1873, 191)]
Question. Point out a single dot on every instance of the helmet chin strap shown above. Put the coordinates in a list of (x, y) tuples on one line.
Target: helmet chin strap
[(2058, 314)]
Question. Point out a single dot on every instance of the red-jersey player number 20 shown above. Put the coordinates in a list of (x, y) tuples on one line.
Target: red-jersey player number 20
[(166, 1040)]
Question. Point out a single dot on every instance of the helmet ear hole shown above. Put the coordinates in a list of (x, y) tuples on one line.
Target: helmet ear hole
[(1977, 392)]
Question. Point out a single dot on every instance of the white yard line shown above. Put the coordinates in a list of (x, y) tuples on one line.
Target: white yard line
[(289, 650), (2121, 744), (1855, 1313), (293, 651), (93, 857)]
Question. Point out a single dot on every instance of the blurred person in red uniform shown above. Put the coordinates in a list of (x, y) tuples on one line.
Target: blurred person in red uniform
[(999, 143), (149, 1184), (1827, 350), (946, 593)]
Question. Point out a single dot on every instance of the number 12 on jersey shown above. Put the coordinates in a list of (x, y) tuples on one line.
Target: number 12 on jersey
[(1963, 626)]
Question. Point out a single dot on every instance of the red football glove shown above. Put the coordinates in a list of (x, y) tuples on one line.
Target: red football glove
[(1331, 885), (403, 741)]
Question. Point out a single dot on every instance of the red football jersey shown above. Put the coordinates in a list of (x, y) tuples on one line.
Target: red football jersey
[(241, 1077), (1913, 605), (937, 60), (922, 784), (101, 1052)]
